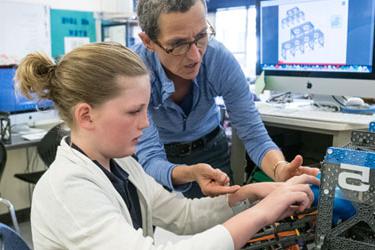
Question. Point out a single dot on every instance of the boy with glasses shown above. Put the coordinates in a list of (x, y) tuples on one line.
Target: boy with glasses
[(189, 69)]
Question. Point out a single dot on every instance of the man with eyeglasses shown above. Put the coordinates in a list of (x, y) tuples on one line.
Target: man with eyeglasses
[(184, 148)]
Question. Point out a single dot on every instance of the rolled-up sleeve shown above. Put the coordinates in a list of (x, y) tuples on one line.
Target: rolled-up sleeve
[(232, 85)]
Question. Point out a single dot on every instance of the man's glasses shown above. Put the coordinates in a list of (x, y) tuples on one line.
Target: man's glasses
[(181, 48)]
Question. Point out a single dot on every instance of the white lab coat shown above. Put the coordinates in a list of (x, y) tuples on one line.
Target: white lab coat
[(75, 206)]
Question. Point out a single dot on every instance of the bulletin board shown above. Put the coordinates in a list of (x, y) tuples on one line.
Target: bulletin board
[(24, 28), (71, 29)]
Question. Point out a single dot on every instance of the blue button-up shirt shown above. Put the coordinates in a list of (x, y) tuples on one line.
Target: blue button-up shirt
[(219, 75)]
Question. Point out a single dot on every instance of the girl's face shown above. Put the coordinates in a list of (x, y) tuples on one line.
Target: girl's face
[(119, 121)]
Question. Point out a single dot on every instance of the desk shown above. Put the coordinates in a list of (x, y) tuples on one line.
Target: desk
[(18, 142), (310, 119), (340, 132)]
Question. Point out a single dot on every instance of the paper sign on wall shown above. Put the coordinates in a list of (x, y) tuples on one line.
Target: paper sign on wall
[(70, 29)]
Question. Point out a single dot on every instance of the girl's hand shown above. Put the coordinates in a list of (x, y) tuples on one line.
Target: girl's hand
[(253, 192)]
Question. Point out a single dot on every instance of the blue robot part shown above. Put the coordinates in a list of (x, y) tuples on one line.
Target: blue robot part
[(343, 209), (354, 177), (347, 181), (371, 126), (349, 156)]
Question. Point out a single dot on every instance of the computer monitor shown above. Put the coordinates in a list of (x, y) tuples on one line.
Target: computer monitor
[(323, 47), (21, 109)]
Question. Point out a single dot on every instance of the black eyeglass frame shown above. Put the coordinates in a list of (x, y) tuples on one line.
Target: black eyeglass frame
[(210, 34)]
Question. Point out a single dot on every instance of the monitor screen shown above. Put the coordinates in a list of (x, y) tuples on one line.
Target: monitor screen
[(11, 101), (324, 39)]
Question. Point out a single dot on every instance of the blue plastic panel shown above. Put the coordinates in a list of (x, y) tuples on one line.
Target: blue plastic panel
[(371, 127), (349, 156)]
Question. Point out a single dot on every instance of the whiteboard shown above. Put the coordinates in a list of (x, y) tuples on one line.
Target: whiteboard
[(24, 28)]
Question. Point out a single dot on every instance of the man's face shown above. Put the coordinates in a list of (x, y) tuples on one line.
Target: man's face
[(180, 28)]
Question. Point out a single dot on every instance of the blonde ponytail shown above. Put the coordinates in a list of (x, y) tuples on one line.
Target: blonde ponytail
[(34, 75)]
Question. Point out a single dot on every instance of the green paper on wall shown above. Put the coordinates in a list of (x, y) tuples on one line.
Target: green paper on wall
[(70, 29)]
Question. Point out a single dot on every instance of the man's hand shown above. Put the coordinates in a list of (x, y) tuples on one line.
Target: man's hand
[(294, 168), (212, 181)]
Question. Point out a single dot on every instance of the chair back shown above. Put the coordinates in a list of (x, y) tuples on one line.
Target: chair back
[(12, 211), (3, 159), (10, 240), (47, 147)]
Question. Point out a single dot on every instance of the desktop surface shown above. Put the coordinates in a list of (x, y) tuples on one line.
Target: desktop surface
[(304, 110), (24, 136), (18, 142), (303, 117)]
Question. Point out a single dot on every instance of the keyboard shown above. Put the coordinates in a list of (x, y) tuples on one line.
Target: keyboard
[(312, 113), (34, 136)]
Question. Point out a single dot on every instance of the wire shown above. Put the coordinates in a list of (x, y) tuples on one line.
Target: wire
[(338, 101), (284, 97), (326, 107)]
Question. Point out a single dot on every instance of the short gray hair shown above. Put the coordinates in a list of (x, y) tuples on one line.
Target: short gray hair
[(148, 12)]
